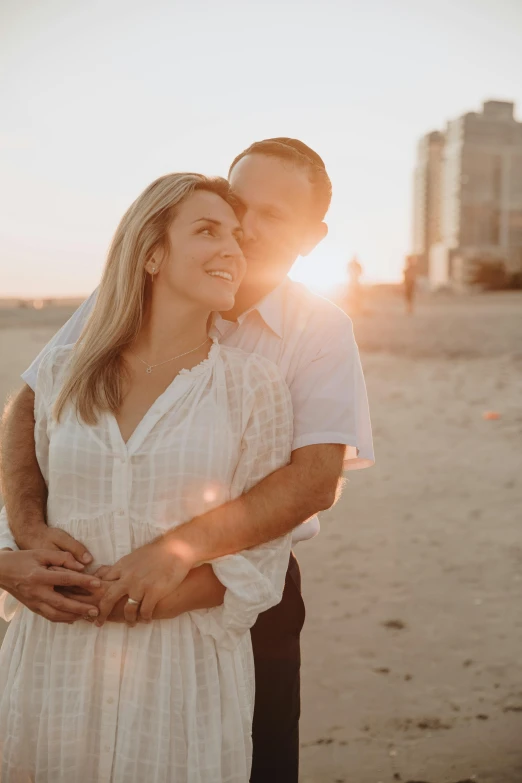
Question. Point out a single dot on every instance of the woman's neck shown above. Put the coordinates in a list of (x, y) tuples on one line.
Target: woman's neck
[(170, 328)]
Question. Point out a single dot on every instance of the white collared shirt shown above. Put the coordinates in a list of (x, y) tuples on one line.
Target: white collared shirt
[(312, 342)]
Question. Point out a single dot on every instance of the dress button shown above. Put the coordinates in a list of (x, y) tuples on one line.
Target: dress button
[(107, 748), (110, 700), (120, 512)]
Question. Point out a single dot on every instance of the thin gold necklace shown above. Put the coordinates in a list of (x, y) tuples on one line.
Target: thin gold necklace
[(150, 367)]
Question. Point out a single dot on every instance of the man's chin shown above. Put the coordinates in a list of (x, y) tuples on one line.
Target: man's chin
[(262, 277)]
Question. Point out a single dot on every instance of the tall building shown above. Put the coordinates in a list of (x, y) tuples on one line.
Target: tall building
[(469, 214), (426, 198)]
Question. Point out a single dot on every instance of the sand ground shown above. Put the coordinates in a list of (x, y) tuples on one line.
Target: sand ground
[(412, 648)]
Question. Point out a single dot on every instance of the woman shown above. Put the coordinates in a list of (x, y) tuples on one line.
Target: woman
[(146, 423)]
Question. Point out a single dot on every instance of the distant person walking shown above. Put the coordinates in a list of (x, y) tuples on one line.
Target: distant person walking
[(354, 297), (410, 282)]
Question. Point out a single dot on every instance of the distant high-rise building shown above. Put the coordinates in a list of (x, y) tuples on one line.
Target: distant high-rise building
[(426, 198), (468, 196)]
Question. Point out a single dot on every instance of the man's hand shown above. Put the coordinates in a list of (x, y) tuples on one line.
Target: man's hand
[(94, 595), (148, 575), (54, 539), (29, 578)]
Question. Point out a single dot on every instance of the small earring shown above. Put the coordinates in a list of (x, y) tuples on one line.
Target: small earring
[(153, 273)]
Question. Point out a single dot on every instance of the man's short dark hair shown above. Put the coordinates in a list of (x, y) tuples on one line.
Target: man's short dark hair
[(286, 148)]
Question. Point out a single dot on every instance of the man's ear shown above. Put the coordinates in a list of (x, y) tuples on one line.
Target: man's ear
[(312, 239)]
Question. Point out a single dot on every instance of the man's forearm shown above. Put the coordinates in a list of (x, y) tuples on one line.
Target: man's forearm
[(271, 509), (23, 486)]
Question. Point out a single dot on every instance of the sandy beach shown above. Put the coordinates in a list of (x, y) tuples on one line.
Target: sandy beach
[(412, 662)]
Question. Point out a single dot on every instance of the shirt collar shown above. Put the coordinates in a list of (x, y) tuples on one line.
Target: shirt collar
[(270, 308)]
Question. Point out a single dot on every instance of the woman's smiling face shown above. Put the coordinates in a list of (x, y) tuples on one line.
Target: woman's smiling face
[(203, 261)]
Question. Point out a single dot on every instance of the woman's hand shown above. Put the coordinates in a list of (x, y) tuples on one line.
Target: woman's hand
[(201, 589), (146, 575)]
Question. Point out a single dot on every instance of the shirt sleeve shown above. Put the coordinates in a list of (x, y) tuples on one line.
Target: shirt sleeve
[(255, 578), (329, 397), (67, 335)]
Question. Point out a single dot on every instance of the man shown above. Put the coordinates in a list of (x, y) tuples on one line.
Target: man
[(355, 271), (285, 192), (410, 282)]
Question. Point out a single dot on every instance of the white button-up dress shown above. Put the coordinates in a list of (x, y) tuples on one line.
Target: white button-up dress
[(171, 701)]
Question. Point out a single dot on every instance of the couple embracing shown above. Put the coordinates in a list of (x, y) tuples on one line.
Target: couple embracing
[(173, 442)]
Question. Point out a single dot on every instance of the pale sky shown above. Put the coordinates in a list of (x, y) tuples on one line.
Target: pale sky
[(100, 97)]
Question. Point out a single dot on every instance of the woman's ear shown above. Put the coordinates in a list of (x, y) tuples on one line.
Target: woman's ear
[(153, 264), (313, 237)]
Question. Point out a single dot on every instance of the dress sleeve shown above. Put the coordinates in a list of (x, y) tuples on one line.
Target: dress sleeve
[(68, 334), (255, 578), (8, 604), (42, 404), (6, 537)]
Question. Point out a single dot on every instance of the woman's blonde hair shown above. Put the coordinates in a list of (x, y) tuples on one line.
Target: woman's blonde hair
[(94, 381)]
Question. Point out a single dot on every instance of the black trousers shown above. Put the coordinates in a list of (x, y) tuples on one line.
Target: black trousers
[(277, 659)]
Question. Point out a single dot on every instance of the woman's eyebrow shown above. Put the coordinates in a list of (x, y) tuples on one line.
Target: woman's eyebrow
[(208, 220), (236, 230)]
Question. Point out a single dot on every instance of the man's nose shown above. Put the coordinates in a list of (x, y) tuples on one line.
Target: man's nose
[(231, 249), (248, 224)]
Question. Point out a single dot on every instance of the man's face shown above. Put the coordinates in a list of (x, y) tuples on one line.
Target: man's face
[(278, 222)]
